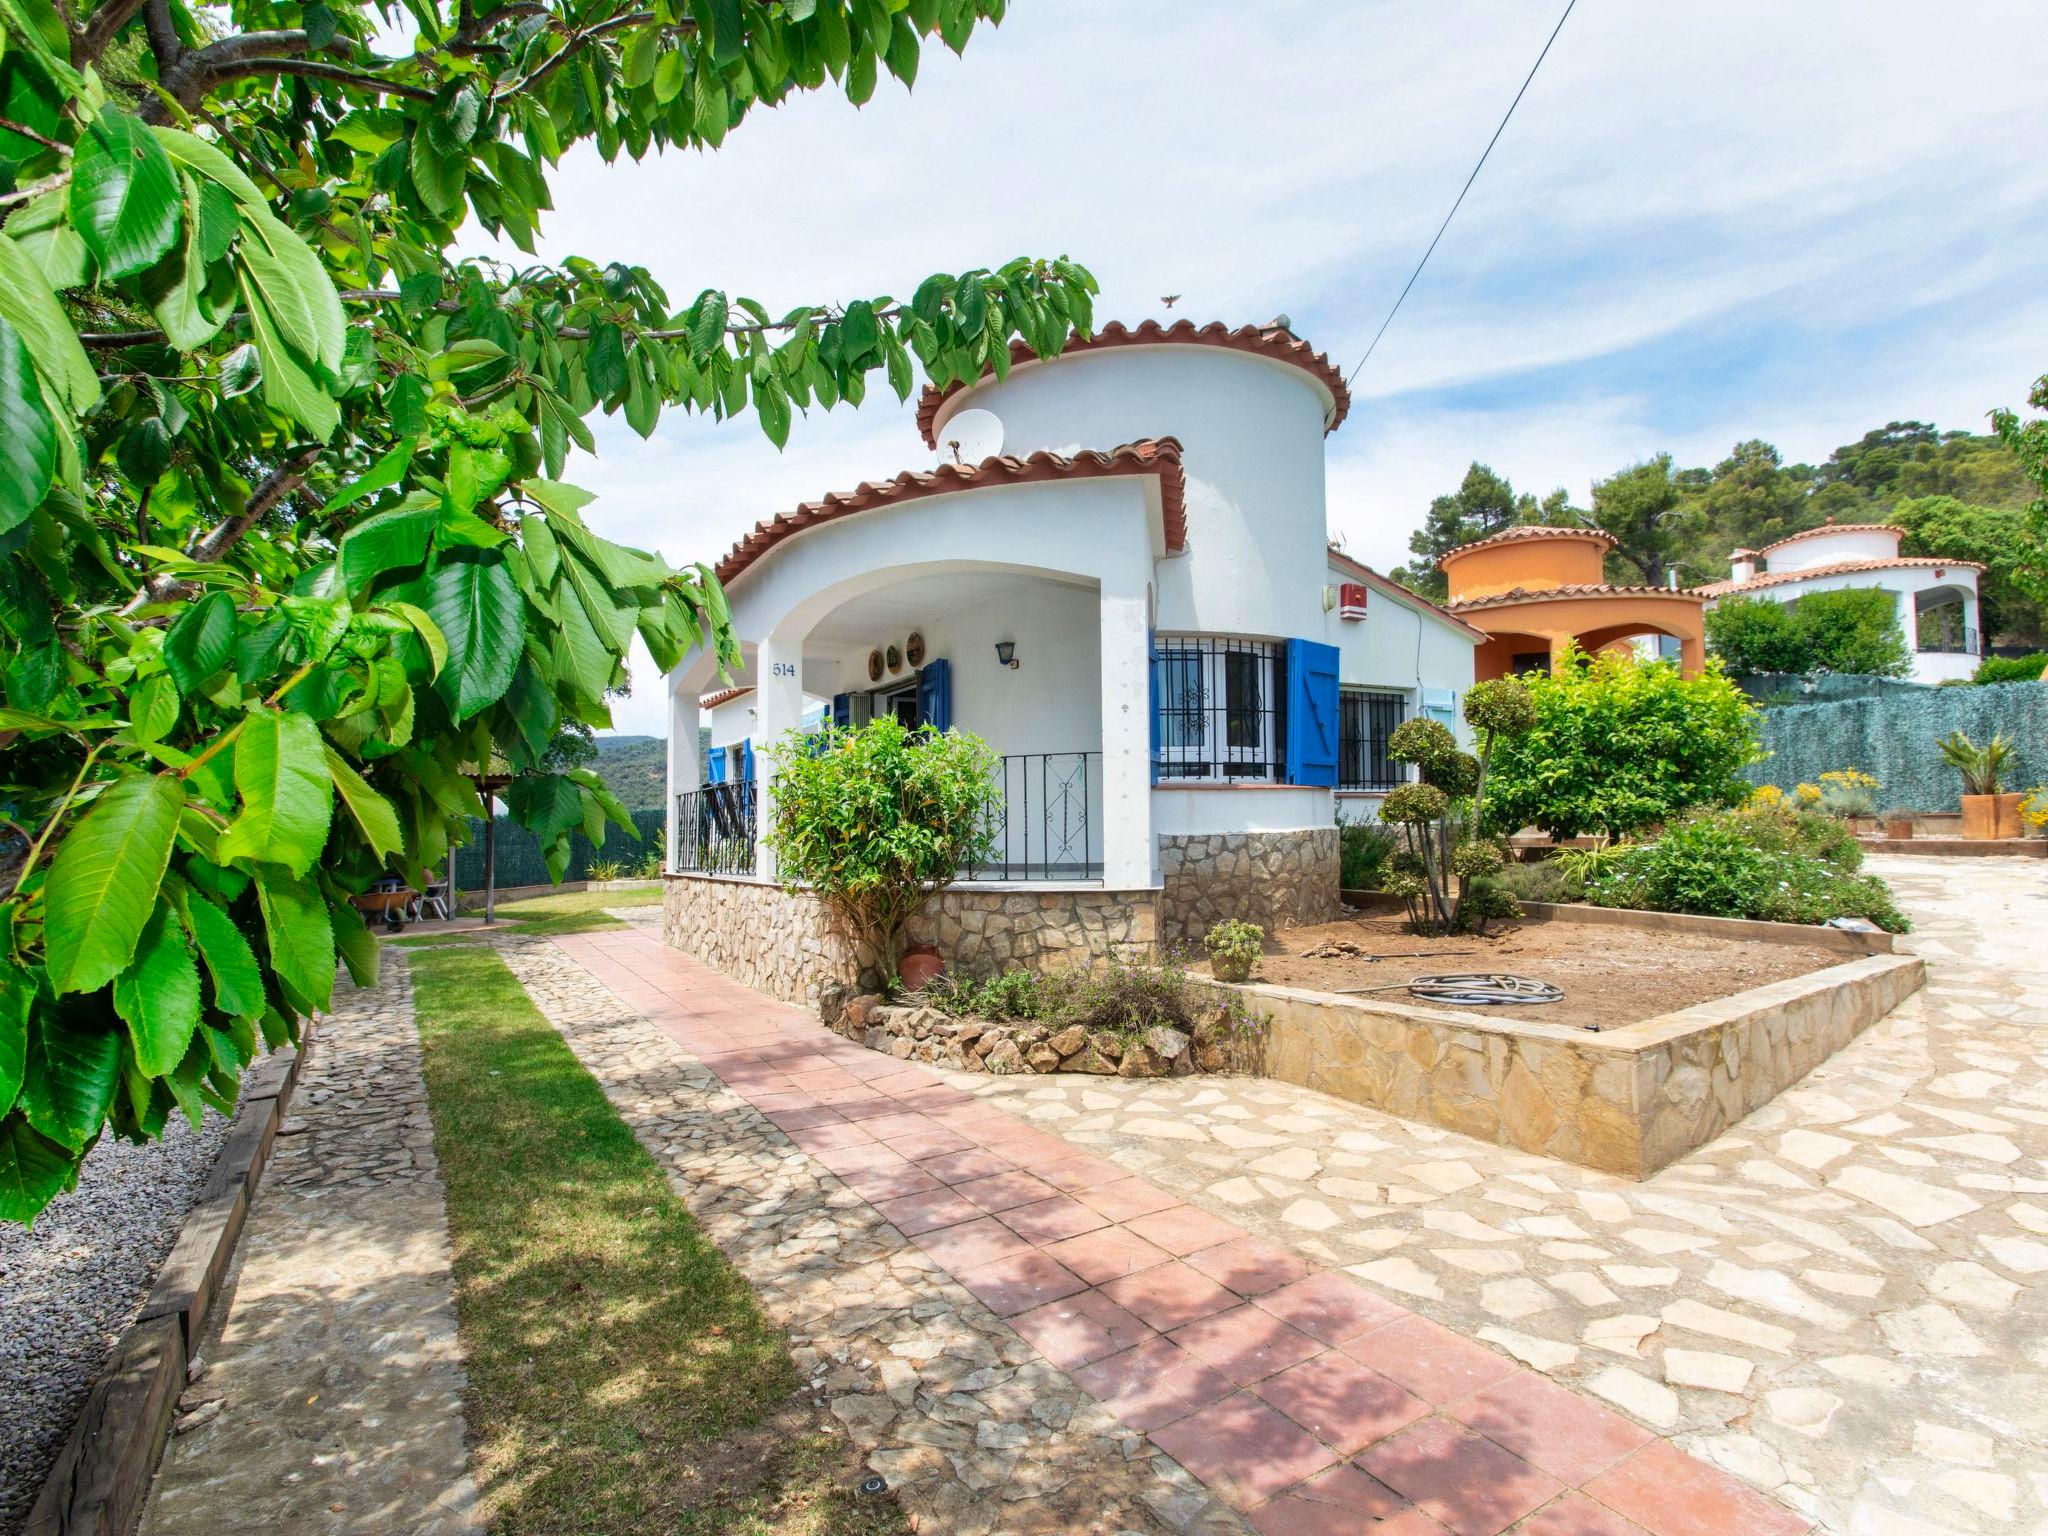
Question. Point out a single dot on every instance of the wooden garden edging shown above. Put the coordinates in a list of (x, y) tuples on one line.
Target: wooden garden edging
[(102, 1476)]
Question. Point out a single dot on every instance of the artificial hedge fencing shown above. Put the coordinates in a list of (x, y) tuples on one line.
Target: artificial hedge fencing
[(1891, 732), (519, 857)]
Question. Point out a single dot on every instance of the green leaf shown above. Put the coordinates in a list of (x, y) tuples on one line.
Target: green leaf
[(287, 797), (124, 194), (230, 962), (390, 541), (371, 810), (29, 465), (239, 371), (200, 157), (201, 642), (288, 387), (605, 362), (436, 177), (429, 632), (475, 603), (353, 938), (68, 1080), (304, 308), (153, 708), (17, 998), (176, 289), (33, 1170), (28, 304), (382, 475), (707, 324), (158, 994), (301, 938), (104, 880)]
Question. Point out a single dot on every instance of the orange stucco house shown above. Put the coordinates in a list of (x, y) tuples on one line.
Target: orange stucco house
[(1535, 590)]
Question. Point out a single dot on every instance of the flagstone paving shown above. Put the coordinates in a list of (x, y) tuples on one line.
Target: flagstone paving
[(1843, 1301), (1308, 1400)]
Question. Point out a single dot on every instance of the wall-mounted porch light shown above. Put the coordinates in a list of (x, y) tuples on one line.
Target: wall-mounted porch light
[(1006, 654)]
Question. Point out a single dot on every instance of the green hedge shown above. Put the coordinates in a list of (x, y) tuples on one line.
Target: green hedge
[(1891, 733), (519, 858)]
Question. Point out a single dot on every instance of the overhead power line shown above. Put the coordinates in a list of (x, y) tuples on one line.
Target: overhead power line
[(1464, 189)]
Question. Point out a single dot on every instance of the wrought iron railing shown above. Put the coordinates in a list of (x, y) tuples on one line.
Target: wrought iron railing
[(1962, 642), (1049, 826), (1222, 708), (715, 829)]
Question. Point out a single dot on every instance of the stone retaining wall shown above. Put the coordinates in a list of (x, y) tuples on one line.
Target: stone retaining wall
[(1624, 1101), (1275, 879), (787, 945)]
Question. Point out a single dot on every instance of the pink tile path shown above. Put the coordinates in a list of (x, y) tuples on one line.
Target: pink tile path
[(1309, 1402)]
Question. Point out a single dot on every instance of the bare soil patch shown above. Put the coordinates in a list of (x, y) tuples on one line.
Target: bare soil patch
[(1610, 976)]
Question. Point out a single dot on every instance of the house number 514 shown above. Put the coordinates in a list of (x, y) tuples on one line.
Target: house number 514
[(784, 669)]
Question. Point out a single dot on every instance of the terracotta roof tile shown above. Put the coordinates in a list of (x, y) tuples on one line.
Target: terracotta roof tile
[(723, 696), (1814, 533), (1533, 531), (1265, 340), (1839, 568), (1394, 589), (1152, 456), (1579, 589)]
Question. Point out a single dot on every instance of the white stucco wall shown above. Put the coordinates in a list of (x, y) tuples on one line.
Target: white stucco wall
[(1401, 646), (1833, 549), (1251, 435), (1905, 584)]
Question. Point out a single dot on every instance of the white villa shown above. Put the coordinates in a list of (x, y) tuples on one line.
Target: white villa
[(1118, 573), (1836, 555)]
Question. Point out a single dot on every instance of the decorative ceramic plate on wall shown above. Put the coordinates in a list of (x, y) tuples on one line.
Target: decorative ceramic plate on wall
[(895, 659), (874, 666), (913, 649)]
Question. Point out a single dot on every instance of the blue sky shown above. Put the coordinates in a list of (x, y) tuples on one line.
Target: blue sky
[(1709, 220)]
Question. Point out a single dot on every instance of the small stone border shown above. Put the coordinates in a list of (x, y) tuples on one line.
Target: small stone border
[(101, 1478), (1737, 928), (1960, 847)]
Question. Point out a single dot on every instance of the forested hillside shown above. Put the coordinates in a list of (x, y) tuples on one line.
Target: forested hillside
[(1957, 494), (635, 768)]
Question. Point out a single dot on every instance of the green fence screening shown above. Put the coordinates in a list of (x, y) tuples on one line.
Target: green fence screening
[(519, 858), (1891, 732)]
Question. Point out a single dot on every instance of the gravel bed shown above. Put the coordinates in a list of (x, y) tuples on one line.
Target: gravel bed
[(73, 1281)]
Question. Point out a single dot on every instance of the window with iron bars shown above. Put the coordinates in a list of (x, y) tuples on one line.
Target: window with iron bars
[(1366, 721), (1222, 709)]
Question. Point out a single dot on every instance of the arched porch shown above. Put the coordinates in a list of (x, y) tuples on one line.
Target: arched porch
[(1533, 633)]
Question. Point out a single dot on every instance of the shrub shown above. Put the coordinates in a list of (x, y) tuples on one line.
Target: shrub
[(1755, 634), (880, 819), (2034, 809), (1234, 948), (1713, 865), (1848, 792), (1010, 994), (1122, 997), (1850, 630), (1620, 745), (1363, 851), (2012, 669), (1540, 881), (605, 869)]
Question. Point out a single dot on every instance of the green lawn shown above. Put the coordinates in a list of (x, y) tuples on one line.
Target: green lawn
[(622, 1378), (561, 912)]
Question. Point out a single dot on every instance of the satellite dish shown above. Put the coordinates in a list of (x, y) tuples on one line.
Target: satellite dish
[(970, 437)]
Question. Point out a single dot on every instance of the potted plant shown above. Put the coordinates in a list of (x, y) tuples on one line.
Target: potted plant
[(1898, 825), (1851, 794), (1986, 813), (1234, 949)]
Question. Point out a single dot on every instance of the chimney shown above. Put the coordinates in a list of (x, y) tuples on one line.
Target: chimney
[(1742, 565)]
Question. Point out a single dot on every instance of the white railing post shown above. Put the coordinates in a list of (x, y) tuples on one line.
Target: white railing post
[(685, 772), (778, 710), (1129, 850)]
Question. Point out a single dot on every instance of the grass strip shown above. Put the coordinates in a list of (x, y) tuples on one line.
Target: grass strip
[(562, 912), (622, 1377)]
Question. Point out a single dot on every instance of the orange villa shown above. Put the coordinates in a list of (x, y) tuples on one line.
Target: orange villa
[(1535, 590)]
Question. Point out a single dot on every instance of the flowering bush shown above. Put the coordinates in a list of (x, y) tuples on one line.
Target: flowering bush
[(2034, 809), (1234, 948), (1848, 792)]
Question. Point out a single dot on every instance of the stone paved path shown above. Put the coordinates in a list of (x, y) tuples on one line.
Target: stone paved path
[(1844, 1301), (1309, 1400), (331, 1402)]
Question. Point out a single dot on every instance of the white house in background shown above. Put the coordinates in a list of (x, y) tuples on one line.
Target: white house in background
[(1118, 573), (1837, 555)]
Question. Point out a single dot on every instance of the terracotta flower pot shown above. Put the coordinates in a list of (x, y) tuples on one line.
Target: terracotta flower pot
[(2008, 821), (920, 964), (1899, 828), (1980, 817)]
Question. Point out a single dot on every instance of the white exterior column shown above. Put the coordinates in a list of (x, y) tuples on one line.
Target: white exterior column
[(779, 709), (1973, 618), (1909, 622), (685, 772), (1129, 849)]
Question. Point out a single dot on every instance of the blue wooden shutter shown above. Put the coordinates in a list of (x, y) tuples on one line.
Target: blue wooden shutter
[(842, 710), (1152, 694), (747, 761), (1313, 727), (935, 695), (714, 766)]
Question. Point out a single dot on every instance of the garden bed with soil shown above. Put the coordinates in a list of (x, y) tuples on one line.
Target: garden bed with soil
[(1610, 978)]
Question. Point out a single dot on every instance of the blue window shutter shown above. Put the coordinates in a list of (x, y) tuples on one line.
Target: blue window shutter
[(1312, 717), (747, 761), (842, 710), (935, 694), (1152, 694), (714, 766)]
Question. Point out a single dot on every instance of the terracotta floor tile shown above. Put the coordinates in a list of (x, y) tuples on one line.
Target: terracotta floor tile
[(798, 1119), (824, 1138), (1050, 1221), (1081, 1329), (1127, 1198), (1074, 1173), (1182, 1230), (1243, 1450), (1462, 1480), (928, 1212), (1107, 1254), (1669, 1493), (889, 1183), (1429, 1360), (1345, 1487), (981, 1241), (1000, 1191), (1340, 1402), (936, 1142), (1249, 1266), (963, 1167), (1549, 1426), (900, 1122), (868, 1156), (1245, 1344), (1574, 1514), (1152, 1384), (1409, 1522), (1342, 1501), (1331, 1307), (1020, 1282), (1169, 1295)]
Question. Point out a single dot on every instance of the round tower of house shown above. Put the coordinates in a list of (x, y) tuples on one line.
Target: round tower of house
[(1527, 559)]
